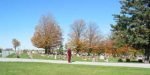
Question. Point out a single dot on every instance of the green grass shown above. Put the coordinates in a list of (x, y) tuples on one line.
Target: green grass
[(39, 56), (11, 68), (12, 56), (89, 59), (112, 59), (61, 57), (23, 55)]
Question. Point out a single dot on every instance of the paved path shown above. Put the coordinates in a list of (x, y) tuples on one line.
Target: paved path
[(140, 65)]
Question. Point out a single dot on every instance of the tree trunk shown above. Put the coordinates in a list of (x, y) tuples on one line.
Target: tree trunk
[(77, 50), (46, 50), (15, 49), (50, 50), (89, 51), (147, 54)]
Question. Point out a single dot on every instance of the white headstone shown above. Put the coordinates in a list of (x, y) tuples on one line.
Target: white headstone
[(101, 57)]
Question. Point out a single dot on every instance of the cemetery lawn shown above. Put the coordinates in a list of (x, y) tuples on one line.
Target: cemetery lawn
[(59, 57), (23, 55), (18, 68)]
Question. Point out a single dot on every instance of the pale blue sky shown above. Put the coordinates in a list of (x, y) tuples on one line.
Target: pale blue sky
[(18, 18)]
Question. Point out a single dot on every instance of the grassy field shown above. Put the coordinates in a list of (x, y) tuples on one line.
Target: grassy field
[(63, 57), (12, 68), (23, 55), (59, 57)]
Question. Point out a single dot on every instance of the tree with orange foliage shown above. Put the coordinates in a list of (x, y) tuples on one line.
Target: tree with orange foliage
[(47, 34)]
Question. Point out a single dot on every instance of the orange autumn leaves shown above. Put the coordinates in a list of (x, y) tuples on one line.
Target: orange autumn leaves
[(86, 38), (47, 34)]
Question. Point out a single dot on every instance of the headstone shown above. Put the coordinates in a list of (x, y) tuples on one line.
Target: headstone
[(55, 56), (106, 60), (78, 55), (93, 59), (101, 57)]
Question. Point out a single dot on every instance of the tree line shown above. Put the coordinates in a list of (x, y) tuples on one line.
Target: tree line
[(83, 38)]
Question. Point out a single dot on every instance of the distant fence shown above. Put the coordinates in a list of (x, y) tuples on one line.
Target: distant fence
[(5, 53)]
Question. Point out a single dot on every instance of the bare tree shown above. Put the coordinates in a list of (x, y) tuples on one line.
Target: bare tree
[(15, 43), (48, 34), (92, 37), (76, 36)]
